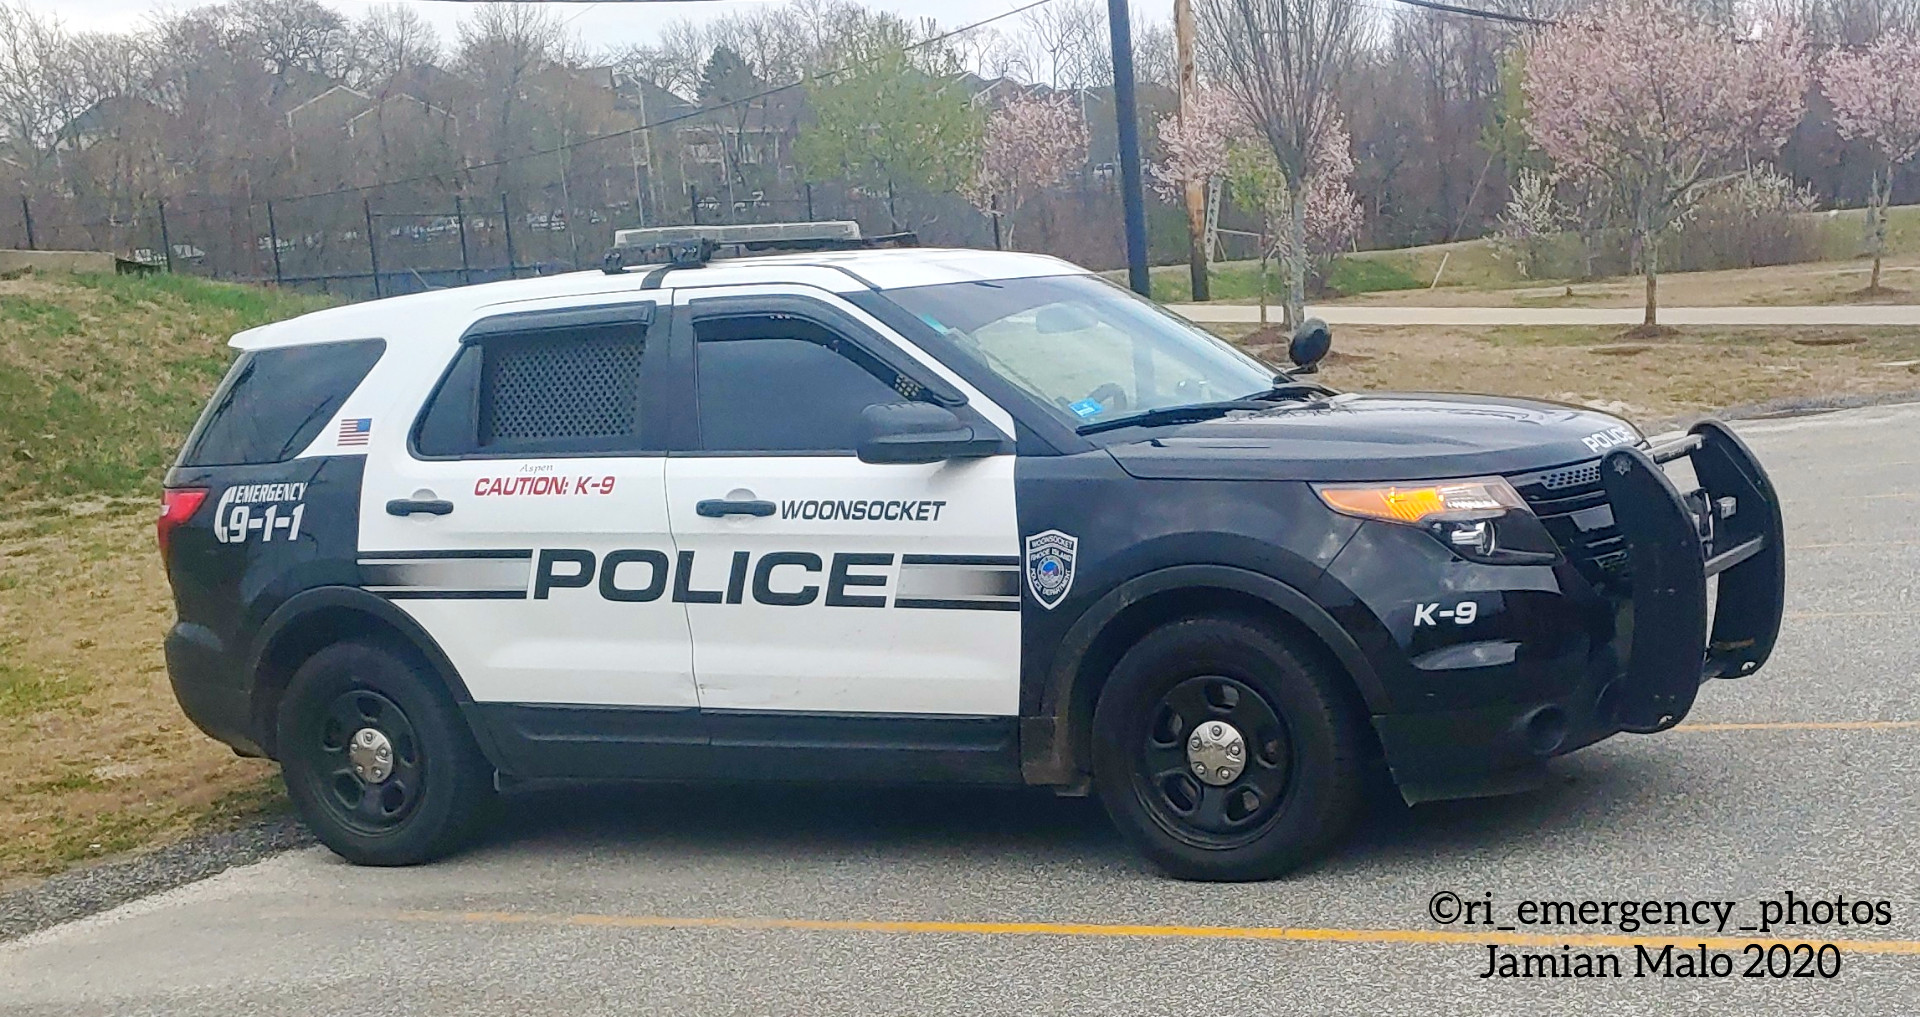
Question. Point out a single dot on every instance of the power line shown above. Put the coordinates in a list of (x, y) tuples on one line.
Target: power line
[(1471, 12), (590, 3), (627, 132)]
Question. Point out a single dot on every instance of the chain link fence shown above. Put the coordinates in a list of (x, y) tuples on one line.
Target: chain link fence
[(376, 242)]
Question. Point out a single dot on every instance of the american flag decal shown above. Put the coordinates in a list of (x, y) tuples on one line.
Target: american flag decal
[(355, 430)]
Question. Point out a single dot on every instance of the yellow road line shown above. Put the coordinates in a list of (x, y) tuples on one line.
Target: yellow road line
[(1806, 725), (1875, 544), (1850, 614), (1427, 937)]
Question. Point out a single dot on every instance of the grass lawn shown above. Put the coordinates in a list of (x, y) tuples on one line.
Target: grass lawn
[(100, 379), (1471, 273)]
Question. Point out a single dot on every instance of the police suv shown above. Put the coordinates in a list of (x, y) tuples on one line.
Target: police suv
[(782, 502)]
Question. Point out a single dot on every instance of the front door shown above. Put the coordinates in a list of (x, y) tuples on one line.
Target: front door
[(815, 583)]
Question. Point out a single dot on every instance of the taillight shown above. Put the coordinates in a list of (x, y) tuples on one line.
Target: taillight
[(177, 505)]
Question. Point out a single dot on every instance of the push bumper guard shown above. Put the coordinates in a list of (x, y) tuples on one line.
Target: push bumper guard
[(1729, 527)]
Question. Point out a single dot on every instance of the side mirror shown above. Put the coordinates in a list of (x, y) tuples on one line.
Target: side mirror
[(922, 433), (1310, 345)]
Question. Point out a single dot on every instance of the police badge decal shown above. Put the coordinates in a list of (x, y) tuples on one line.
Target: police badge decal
[(1050, 566)]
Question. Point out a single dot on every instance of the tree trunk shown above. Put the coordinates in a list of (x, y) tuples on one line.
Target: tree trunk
[(1881, 198), (1297, 267), (1649, 260), (1264, 247)]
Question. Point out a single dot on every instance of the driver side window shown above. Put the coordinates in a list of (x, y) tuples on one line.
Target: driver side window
[(774, 384)]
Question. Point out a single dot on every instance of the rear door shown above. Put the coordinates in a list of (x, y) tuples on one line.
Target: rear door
[(816, 583), (522, 519)]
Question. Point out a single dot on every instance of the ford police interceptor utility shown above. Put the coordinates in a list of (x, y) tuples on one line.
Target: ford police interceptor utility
[(841, 512)]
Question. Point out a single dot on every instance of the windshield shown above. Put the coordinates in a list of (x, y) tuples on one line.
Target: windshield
[(1085, 348)]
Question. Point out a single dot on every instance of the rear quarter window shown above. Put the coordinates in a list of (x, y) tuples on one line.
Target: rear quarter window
[(274, 402)]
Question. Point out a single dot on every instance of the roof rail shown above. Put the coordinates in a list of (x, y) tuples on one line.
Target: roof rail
[(694, 246)]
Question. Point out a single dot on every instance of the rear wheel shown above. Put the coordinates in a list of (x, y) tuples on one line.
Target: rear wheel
[(1224, 755), (377, 758)]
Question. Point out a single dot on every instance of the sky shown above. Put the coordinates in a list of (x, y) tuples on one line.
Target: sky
[(606, 24)]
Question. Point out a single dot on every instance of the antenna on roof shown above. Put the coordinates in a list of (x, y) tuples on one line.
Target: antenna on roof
[(693, 246)]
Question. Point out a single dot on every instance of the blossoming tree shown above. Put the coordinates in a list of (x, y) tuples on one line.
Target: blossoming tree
[(1660, 106), (1217, 141), (1875, 94), (1028, 144)]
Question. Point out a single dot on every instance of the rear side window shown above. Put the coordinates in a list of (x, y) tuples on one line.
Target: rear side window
[(274, 402), (575, 390)]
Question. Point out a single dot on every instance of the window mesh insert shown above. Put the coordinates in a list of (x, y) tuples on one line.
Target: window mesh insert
[(562, 388)]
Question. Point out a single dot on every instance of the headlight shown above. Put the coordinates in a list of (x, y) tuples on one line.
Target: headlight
[(1481, 519), (1475, 498)]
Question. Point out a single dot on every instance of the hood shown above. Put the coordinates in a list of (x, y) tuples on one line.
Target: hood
[(1383, 436)]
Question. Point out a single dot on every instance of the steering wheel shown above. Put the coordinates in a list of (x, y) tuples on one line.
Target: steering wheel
[(1110, 396)]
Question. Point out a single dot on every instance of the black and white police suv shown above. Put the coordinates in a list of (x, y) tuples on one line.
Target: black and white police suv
[(777, 502)]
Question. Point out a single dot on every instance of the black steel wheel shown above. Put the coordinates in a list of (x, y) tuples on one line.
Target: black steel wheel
[(1214, 806), (369, 760), (1223, 753), (377, 758)]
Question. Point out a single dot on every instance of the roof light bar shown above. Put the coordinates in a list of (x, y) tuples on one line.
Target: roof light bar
[(770, 234), (693, 246)]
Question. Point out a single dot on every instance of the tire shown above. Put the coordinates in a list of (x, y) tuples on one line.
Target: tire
[(1302, 755), (435, 789)]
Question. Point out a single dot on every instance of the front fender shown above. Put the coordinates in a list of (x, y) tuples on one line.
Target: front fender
[(1049, 751)]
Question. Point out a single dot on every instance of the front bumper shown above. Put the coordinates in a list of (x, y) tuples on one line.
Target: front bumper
[(1729, 527), (1651, 648)]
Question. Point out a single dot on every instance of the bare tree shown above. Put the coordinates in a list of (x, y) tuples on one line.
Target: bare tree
[(389, 41), (297, 35), (1283, 61), (502, 46), (41, 89)]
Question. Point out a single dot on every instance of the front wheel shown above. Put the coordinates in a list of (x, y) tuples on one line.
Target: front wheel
[(377, 759), (1222, 754)]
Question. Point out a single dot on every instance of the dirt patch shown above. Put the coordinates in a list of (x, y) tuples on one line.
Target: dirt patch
[(96, 758), (1691, 373)]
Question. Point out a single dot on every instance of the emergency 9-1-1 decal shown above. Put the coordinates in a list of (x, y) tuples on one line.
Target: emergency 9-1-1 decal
[(267, 512)]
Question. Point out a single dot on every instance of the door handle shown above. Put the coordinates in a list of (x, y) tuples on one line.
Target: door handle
[(719, 507), (408, 506)]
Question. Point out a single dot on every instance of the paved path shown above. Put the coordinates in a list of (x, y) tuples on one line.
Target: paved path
[(1360, 314), (790, 902)]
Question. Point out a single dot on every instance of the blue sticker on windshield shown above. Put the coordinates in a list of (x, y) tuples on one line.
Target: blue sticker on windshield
[(1086, 407), (935, 322)]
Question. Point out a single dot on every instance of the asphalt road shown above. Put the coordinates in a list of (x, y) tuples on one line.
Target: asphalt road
[(1805, 778), (1361, 314)]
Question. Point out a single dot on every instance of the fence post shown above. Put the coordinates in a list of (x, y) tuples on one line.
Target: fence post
[(26, 216), (373, 250), (693, 204), (809, 202), (460, 216), (506, 223), (273, 240)]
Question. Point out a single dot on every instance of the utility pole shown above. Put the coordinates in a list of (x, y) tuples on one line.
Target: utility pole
[(1197, 253), (166, 239), (1127, 134)]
